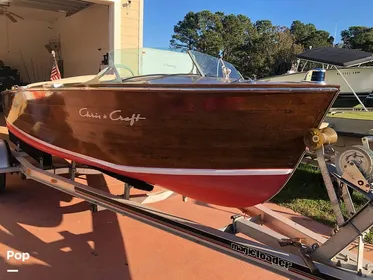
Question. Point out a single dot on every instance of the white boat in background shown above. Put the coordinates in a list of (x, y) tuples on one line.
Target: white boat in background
[(342, 67)]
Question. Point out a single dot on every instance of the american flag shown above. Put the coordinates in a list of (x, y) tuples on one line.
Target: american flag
[(55, 74)]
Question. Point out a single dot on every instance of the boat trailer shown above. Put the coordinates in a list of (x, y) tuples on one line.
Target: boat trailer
[(284, 247)]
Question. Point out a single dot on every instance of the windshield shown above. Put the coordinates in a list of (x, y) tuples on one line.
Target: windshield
[(213, 66), (133, 62)]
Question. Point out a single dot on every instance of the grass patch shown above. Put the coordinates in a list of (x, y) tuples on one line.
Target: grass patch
[(357, 115), (305, 193)]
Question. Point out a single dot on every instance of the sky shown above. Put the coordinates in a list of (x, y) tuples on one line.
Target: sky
[(160, 16)]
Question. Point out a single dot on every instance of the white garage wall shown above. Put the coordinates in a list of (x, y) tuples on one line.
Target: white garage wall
[(26, 39), (81, 36)]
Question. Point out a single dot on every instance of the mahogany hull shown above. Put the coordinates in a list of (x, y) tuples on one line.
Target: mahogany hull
[(232, 145)]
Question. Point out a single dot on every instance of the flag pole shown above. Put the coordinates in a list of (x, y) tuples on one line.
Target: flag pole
[(55, 65), (54, 58)]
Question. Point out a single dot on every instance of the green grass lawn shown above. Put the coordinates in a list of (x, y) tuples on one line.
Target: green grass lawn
[(357, 115), (305, 193)]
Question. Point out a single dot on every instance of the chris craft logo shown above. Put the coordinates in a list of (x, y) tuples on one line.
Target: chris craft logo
[(113, 116)]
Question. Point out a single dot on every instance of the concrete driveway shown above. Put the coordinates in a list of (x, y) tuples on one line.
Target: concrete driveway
[(67, 241)]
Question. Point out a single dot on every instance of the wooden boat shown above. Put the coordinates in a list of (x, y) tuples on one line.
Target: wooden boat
[(185, 121)]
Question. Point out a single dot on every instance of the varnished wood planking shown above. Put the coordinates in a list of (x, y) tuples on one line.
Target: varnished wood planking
[(183, 129)]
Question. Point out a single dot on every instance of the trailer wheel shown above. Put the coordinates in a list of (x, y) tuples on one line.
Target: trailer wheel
[(2, 182)]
